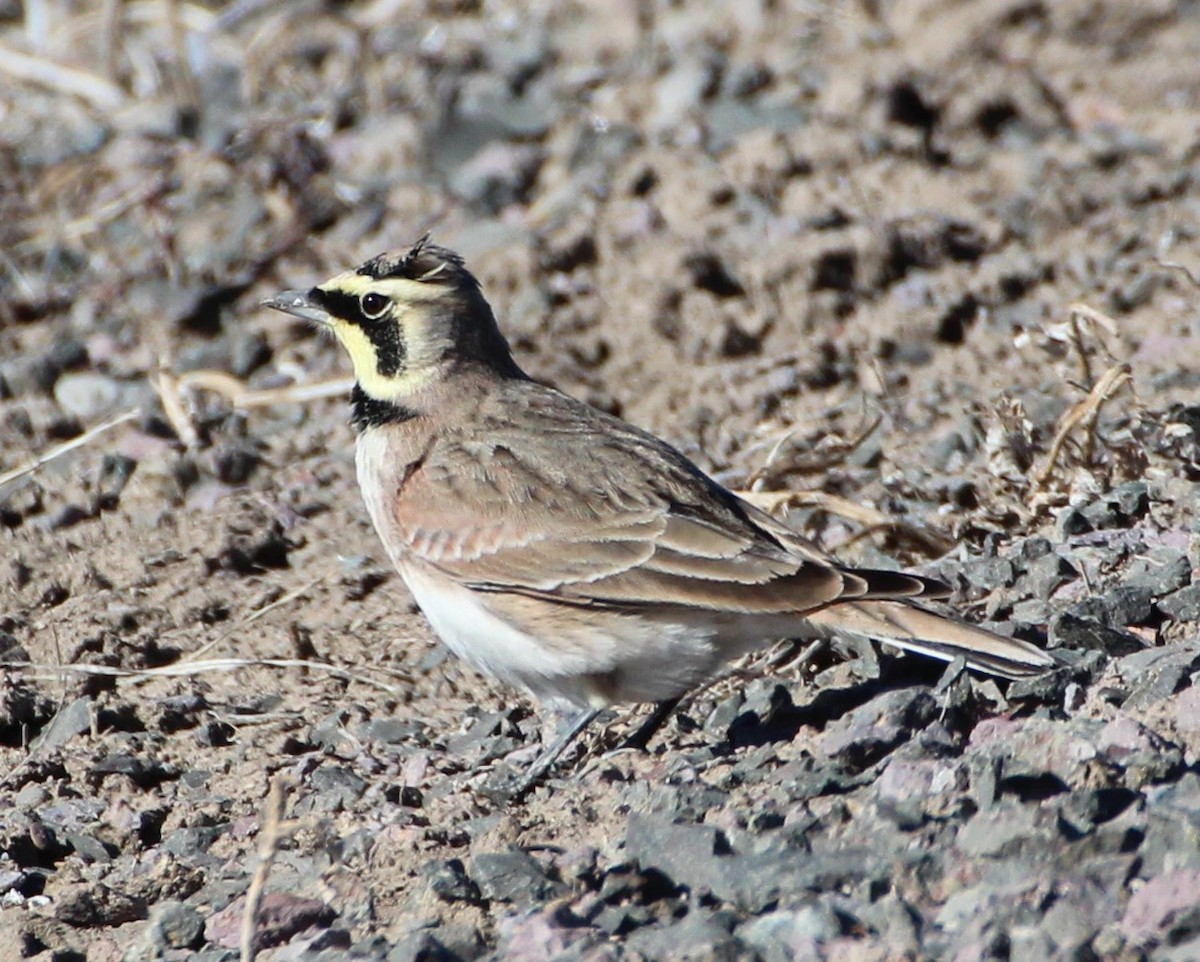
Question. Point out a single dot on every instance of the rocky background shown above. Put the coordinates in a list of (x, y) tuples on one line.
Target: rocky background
[(921, 274)]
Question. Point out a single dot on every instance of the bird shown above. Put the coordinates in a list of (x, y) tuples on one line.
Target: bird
[(560, 549)]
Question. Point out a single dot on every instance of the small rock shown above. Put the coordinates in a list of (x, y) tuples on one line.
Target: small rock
[(1161, 571), (1163, 904), (513, 876), (1120, 507), (1046, 574), (1069, 630), (448, 880), (784, 935), (176, 925), (421, 947), (281, 916), (71, 720), (115, 472), (98, 906), (87, 395), (1182, 605), (1071, 522)]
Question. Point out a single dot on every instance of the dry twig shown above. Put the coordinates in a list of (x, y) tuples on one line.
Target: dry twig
[(97, 91), (774, 501), (184, 669), (1083, 413), (268, 844), (67, 446)]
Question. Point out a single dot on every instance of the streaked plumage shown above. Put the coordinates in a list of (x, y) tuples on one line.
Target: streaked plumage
[(563, 550)]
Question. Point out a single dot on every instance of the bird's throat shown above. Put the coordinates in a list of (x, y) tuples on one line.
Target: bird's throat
[(371, 412)]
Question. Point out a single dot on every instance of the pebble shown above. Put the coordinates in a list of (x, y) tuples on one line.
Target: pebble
[(87, 395)]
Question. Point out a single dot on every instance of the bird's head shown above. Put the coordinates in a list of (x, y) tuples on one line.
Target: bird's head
[(406, 318)]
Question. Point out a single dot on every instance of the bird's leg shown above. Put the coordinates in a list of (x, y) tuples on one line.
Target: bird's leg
[(640, 739), (510, 787), (549, 755)]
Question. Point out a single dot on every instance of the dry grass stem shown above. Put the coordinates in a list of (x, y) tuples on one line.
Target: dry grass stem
[(65, 448), (268, 844), (279, 602), (873, 520), (1083, 413), (97, 91), (244, 398), (166, 386), (189, 669)]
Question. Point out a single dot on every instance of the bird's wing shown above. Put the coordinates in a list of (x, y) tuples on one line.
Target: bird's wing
[(565, 502)]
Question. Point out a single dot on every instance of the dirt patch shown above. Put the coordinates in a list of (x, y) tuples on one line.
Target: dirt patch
[(836, 248)]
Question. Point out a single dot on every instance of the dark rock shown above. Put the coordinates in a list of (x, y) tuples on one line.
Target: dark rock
[(1128, 604), (513, 876), (1155, 674), (87, 847), (393, 731), (335, 789), (1071, 522), (1182, 605), (97, 906), (698, 935), (1069, 630), (193, 841), (1160, 571), (989, 574), (115, 472), (872, 730), (143, 772), (1120, 507), (1047, 573), (689, 855), (448, 880), (421, 947)]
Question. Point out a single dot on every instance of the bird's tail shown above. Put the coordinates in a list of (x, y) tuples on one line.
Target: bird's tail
[(912, 628)]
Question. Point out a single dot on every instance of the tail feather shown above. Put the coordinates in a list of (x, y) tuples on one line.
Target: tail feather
[(915, 629)]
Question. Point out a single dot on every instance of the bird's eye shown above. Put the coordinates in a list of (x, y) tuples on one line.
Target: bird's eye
[(373, 305)]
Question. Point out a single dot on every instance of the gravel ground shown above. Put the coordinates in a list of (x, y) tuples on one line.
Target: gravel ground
[(931, 261)]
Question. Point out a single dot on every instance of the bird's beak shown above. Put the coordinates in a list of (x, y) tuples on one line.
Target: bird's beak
[(299, 304)]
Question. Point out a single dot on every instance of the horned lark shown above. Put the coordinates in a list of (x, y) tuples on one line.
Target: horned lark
[(560, 549)]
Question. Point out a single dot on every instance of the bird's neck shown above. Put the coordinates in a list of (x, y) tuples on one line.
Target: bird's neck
[(370, 412)]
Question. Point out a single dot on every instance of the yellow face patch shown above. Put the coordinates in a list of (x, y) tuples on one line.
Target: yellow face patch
[(395, 350)]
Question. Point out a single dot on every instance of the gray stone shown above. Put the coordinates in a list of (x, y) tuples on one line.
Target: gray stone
[(421, 947), (335, 788), (513, 876), (188, 843), (73, 719), (448, 880), (689, 855), (1128, 604), (1006, 829), (1182, 605), (698, 935), (87, 395), (1155, 674), (1071, 522), (784, 935), (176, 925), (1161, 571), (1046, 574)]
